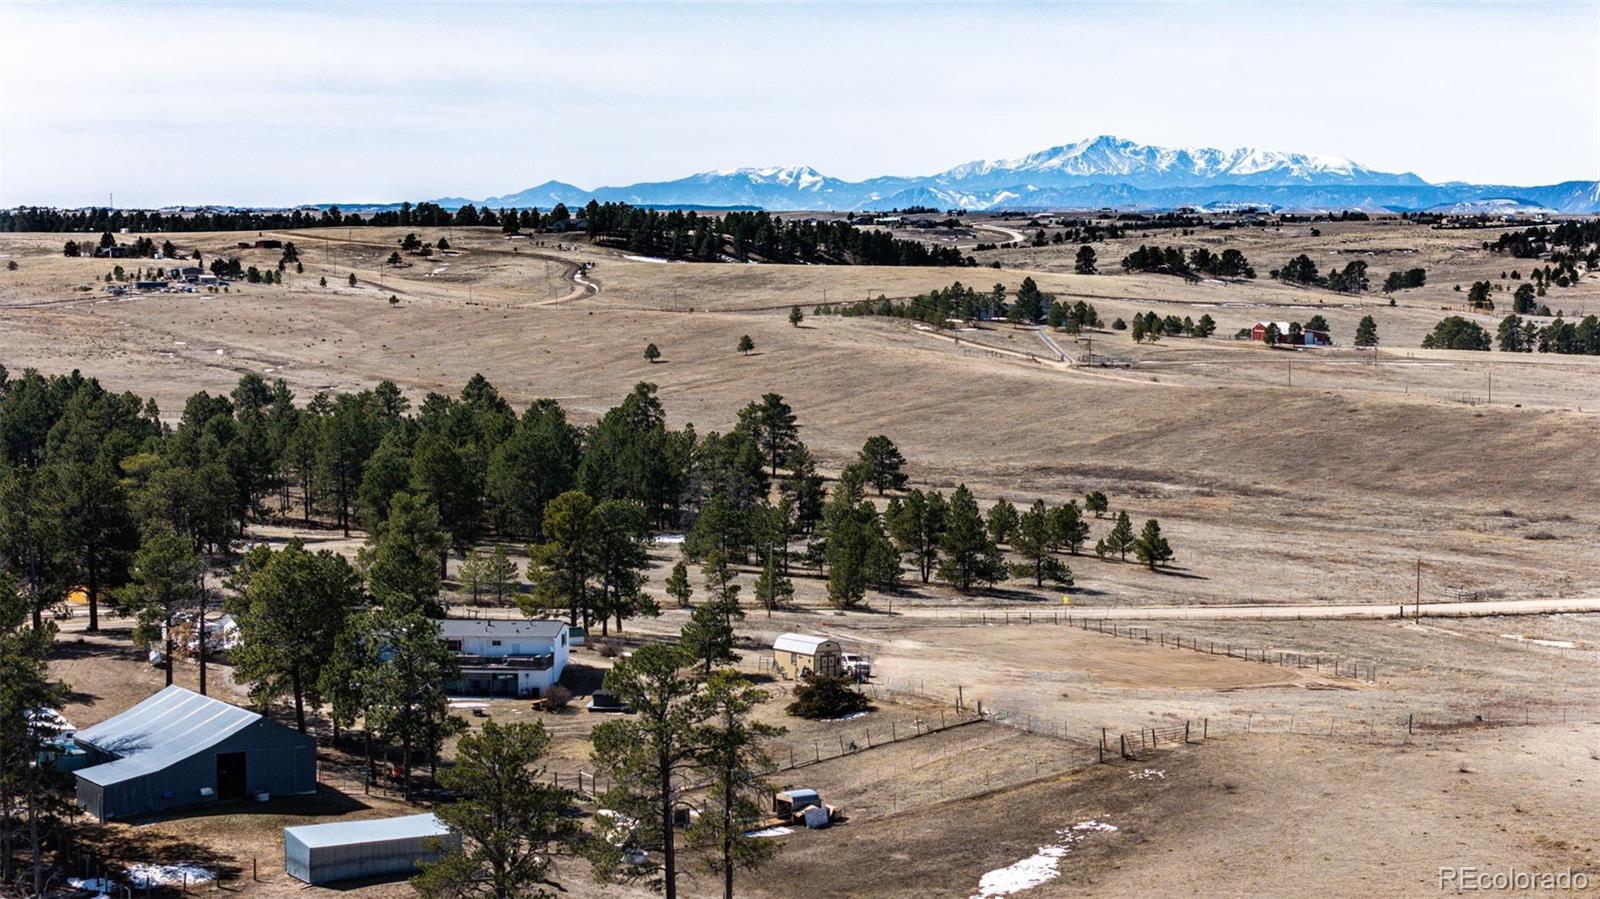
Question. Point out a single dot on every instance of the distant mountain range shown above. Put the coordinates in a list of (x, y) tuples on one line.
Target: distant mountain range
[(1098, 172)]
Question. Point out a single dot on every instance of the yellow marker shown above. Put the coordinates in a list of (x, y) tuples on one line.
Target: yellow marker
[(1066, 600)]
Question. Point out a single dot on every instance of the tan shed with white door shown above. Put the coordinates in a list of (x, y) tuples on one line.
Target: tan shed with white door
[(801, 655)]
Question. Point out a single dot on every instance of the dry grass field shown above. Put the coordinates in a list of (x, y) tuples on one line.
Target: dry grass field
[(1310, 477), (1368, 462)]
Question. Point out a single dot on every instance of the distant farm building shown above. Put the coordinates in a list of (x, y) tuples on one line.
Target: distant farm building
[(803, 655), (1307, 336), (179, 748), (506, 657), (263, 244), (380, 847)]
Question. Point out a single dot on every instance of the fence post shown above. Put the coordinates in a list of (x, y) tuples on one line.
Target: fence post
[(1205, 728), (1186, 731)]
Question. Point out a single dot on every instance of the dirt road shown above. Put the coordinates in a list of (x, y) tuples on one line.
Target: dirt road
[(1354, 610)]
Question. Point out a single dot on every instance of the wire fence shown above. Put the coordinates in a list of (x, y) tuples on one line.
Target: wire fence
[(1323, 663), (1075, 752)]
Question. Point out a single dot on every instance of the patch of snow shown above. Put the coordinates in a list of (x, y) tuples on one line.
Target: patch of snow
[(850, 717), (1041, 867), (769, 832), (1557, 644), (146, 876), (669, 539), (649, 259), (49, 722), (99, 885), (1148, 773)]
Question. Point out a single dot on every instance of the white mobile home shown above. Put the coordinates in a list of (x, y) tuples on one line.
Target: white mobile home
[(506, 657)]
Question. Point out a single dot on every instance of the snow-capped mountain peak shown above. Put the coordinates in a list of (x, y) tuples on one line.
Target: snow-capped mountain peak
[(799, 177), (1107, 157), (1104, 170)]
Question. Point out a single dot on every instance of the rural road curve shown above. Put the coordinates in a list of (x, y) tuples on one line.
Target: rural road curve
[(1015, 235), (1363, 610)]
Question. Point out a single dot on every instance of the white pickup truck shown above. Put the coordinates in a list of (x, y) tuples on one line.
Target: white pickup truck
[(858, 667)]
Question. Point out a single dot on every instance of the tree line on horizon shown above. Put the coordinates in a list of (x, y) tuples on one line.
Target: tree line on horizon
[(672, 234)]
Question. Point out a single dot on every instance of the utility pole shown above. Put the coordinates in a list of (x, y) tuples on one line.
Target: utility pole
[(1418, 605)]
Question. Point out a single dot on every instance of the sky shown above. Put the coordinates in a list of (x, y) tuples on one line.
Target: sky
[(282, 103)]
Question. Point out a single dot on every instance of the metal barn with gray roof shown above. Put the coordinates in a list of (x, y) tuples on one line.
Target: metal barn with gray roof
[(179, 748)]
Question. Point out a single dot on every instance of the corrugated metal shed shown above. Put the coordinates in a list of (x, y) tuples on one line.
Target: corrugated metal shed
[(169, 726), (377, 847), (179, 748)]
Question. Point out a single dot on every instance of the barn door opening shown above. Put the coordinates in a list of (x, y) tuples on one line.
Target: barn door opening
[(230, 775)]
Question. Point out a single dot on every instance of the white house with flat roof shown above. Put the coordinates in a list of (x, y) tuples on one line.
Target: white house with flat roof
[(506, 656)]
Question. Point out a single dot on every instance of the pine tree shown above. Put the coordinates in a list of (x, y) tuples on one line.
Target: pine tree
[(645, 754), (796, 316), (1095, 501), (165, 574), (746, 345), (708, 637), (917, 525), (291, 612), (1120, 539), (510, 821), (1068, 527), (1367, 332), (1152, 548), (471, 576), (1084, 264), (730, 747), (1036, 542), (561, 566), (652, 353), (499, 574), (408, 704), (883, 466), (27, 789), (971, 557), (678, 584), (773, 589), (402, 564), (772, 425), (1002, 521)]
